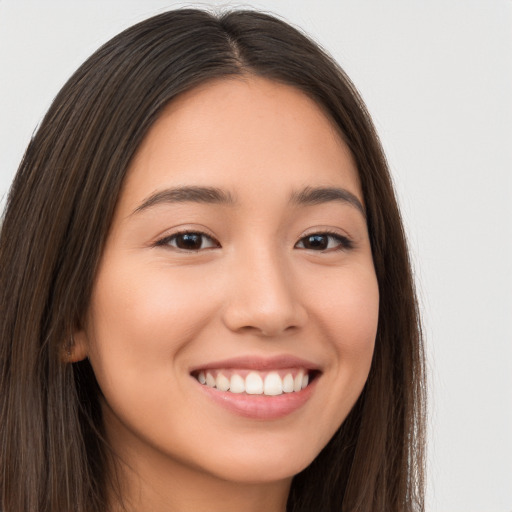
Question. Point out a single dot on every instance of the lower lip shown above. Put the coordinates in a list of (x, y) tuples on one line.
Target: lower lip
[(260, 407)]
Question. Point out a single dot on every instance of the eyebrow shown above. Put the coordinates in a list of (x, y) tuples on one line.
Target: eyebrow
[(187, 194), (310, 196)]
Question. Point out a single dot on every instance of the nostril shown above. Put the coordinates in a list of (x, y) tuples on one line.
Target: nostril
[(264, 327), (264, 305)]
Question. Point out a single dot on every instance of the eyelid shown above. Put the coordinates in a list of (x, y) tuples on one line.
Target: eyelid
[(345, 242), (181, 229), (164, 240)]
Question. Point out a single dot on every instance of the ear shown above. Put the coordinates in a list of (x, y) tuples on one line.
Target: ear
[(76, 349)]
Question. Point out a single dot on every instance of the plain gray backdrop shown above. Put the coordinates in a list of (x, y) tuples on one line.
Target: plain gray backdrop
[(437, 78)]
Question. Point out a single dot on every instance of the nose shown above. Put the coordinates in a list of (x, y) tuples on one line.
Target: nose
[(263, 298)]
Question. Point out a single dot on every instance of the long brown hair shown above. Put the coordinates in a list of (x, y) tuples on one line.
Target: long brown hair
[(53, 455)]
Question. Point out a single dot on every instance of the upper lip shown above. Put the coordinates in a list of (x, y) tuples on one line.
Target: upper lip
[(258, 363)]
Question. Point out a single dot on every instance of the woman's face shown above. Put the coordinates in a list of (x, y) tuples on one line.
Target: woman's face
[(238, 254)]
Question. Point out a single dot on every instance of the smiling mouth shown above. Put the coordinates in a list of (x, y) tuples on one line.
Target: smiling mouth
[(252, 382)]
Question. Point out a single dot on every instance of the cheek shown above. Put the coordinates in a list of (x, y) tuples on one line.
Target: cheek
[(347, 312), (347, 306), (140, 319), (357, 318)]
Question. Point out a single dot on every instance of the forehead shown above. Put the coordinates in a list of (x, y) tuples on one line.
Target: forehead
[(242, 132)]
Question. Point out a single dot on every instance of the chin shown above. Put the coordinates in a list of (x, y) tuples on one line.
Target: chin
[(263, 465)]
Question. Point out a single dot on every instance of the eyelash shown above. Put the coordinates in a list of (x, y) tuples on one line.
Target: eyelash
[(344, 243), (167, 240)]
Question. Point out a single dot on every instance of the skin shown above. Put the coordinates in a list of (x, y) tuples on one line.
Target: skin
[(254, 288)]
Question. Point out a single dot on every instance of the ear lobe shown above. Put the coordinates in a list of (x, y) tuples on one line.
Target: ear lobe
[(76, 348)]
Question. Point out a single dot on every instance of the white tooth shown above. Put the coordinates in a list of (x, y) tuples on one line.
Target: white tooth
[(237, 384), (210, 381), (273, 384), (297, 383), (253, 384), (201, 378), (222, 382), (288, 383), (305, 381)]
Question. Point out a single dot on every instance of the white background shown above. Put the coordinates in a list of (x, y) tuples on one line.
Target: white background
[(437, 77)]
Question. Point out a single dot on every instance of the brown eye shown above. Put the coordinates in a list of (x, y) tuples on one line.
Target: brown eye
[(316, 242), (324, 242), (189, 241)]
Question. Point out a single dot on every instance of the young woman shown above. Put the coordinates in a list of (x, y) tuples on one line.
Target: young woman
[(207, 302)]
